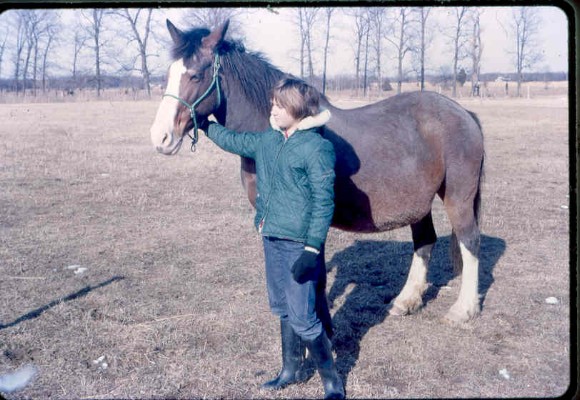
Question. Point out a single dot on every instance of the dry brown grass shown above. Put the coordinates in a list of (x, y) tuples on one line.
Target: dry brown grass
[(174, 295)]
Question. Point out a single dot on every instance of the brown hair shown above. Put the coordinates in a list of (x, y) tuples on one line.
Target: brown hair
[(297, 97)]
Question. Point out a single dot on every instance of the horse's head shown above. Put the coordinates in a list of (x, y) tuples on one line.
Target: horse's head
[(193, 89)]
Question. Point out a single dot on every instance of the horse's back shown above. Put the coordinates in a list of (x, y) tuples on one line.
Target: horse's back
[(399, 111), (410, 125), (397, 152)]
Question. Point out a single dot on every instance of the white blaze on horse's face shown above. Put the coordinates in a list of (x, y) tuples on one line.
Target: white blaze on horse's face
[(163, 136)]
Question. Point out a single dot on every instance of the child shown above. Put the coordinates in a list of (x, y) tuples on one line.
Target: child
[(294, 208)]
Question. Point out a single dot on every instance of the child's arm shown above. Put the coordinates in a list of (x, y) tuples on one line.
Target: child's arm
[(241, 143), (320, 170)]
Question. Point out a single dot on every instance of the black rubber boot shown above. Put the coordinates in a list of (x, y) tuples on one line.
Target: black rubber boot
[(292, 358), (320, 348)]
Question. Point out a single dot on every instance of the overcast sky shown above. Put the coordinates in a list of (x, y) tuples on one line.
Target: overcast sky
[(276, 36), (274, 33)]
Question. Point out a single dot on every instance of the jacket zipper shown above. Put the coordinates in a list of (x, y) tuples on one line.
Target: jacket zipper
[(263, 220)]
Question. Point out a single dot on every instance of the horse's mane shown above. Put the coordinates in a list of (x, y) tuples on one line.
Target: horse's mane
[(250, 72)]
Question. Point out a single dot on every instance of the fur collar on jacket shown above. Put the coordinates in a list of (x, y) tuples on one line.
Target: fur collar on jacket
[(314, 121)]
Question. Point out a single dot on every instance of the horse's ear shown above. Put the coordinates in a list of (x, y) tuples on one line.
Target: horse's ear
[(216, 36), (176, 34)]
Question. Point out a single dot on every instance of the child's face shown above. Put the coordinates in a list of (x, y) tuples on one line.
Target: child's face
[(283, 119)]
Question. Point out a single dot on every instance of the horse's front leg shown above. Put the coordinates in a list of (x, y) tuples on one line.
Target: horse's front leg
[(411, 297)]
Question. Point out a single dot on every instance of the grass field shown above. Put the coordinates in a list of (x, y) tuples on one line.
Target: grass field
[(127, 274)]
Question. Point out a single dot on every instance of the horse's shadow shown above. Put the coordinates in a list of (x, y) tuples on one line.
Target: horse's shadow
[(374, 272)]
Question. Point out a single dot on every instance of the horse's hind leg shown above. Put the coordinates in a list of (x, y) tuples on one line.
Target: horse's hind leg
[(411, 297), (465, 242)]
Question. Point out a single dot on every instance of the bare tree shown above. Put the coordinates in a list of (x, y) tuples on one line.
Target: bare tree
[(423, 42), (35, 33), (30, 21), (525, 25), (361, 28), (476, 51), (376, 17), (140, 33), (2, 49), (51, 30), (459, 38), (30, 29), (20, 42), (328, 13), (305, 20), (95, 29), (366, 52), (400, 38), (79, 42), (302, 31), (213, 17), (39, 30)]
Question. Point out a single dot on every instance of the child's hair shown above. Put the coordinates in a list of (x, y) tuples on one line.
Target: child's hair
[(297, 97)]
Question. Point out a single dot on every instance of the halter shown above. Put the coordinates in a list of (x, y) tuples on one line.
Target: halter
[(215, 83)]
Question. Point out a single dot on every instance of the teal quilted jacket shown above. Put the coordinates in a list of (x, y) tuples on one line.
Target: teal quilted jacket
[(295, 178)]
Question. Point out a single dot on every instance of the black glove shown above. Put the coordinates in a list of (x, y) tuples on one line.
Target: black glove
[(304, 267)]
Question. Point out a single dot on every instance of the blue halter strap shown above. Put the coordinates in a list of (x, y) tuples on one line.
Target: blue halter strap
[(215, 84)]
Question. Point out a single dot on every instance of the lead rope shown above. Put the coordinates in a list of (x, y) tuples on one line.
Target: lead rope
[(215, 82)]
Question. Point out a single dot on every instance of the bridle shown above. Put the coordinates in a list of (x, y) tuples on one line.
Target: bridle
[(215, 84)]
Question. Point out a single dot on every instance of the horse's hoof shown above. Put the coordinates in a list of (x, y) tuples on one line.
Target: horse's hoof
[(458, 315), (405, 307), (401, 311), (397, 311)]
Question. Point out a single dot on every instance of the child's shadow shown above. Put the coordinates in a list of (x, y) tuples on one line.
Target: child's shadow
[(374, 272)]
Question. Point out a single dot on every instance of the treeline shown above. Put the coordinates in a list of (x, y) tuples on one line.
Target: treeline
[(42, 49), (69, 86)]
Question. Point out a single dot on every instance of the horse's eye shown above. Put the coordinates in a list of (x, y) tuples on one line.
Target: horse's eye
[(194, 75)]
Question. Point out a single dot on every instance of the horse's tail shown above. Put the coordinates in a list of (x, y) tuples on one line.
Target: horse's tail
[(477, 200), (455, 250), (476, 119)]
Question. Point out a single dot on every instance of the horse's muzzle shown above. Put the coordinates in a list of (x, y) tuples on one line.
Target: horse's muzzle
[(165, 143)]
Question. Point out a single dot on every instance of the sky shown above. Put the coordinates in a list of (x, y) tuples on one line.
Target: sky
[(275, 35)]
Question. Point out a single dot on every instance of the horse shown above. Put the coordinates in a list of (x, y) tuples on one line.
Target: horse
[(392, 157)]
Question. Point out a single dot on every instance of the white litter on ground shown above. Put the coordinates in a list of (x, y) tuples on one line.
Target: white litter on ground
[(552, 301), (101, 362), (17, 380), (77, 269), (504, 373)]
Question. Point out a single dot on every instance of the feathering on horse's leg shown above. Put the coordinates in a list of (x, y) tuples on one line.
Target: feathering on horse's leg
[(411, 297), (466, 237)]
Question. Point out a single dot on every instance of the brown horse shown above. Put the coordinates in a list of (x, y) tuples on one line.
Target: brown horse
[(393, 156)]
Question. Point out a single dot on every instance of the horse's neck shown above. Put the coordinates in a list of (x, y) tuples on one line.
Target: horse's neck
[(248, 107), (241, 114), (324, 103)]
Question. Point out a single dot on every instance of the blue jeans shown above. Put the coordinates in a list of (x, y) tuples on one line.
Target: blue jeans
[(304, 305)]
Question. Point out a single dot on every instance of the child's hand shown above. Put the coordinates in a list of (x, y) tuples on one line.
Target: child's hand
[(304, 267), (203, 124)]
